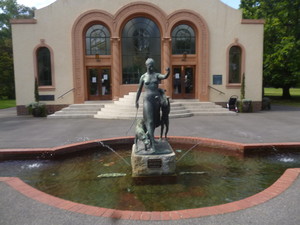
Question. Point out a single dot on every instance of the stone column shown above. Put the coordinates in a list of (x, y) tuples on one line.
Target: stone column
[(78, 76), (115, 70), (167, 63)]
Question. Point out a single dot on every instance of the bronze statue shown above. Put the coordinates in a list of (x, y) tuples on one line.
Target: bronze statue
[(165, 111), (141, 134), (154, 100)]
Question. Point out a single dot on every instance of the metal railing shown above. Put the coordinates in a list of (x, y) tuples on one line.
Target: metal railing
[(61, 96), (220, 92)]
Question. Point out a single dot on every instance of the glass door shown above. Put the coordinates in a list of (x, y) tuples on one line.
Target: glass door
[(183, 82), (99, 83)]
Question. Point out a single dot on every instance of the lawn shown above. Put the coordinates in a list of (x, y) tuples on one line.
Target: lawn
[(275, 95), (7, 104)]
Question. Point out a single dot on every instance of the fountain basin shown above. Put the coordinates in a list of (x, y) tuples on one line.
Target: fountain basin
[(228, 148)]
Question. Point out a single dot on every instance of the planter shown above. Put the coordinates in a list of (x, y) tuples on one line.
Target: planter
[(247, 105), (39, 112), (37, 109)]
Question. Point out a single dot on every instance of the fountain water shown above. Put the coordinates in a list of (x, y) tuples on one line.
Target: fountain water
[(112, 150), (188, 151)]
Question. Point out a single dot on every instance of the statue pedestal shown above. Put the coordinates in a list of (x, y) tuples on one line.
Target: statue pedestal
[(147, 163)]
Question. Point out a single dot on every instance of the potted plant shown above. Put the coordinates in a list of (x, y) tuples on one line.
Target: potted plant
[(37, 109)]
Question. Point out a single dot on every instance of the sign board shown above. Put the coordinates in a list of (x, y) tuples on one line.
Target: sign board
[(154, 163), (217, 79)]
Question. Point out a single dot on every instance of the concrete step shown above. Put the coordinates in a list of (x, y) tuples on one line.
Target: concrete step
[(124, 106), (224, 113), (189, 103), (113, 115), (206, 109), (70, 109), (86, 107), (69, 116), (133, 110), (76, 112), (132, 116), (101, 102)]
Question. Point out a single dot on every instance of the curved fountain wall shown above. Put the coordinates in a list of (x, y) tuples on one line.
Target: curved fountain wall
[(232, 148)]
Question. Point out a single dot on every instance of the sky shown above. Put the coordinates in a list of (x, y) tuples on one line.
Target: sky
[(42, 3), (233, 3)]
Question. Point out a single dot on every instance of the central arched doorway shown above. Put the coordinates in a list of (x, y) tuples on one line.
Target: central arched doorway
[(140, 40)]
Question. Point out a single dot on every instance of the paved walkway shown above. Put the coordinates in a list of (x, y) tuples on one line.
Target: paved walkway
[(279, 125)]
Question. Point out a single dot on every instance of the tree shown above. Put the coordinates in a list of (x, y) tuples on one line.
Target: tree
[(9, 9), (6, 71), (281, 40)]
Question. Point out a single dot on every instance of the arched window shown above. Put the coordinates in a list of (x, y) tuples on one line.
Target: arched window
[(140, 40), (235, 65), (97, 40), (183, 40), (44, 67)]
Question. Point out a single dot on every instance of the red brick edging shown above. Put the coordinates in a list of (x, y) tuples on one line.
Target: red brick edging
[(283, 183), (225, 146)]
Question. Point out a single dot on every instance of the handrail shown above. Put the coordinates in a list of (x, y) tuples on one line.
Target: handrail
[(220, 92), (66, 93)]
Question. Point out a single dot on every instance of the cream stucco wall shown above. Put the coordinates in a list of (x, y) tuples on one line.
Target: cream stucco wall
[(23, 64), (54, 25)]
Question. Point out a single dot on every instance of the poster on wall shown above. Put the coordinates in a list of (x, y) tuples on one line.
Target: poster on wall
[(217, 79)]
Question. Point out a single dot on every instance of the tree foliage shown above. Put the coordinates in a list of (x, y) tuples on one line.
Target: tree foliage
[(281, 40), (9, 9)]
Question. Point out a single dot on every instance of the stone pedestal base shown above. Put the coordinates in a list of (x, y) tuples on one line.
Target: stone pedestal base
[(152, 164)]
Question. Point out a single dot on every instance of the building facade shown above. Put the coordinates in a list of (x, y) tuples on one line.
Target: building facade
[(96, 50)]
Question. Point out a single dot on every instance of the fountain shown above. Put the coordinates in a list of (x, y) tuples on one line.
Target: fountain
[(90, 173)]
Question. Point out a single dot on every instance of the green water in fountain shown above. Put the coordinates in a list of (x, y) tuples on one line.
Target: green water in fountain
[(225, 179)]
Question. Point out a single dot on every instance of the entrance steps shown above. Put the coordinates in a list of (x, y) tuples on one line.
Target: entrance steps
[(124, 108), (86, 110)]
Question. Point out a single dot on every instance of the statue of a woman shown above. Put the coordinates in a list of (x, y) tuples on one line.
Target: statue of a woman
[(152, 99)]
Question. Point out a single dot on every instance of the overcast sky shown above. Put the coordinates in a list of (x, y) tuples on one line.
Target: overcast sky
[(42, 3)]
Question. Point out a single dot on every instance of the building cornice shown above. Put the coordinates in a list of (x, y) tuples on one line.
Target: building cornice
[(23, 21), (250, 21)]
